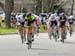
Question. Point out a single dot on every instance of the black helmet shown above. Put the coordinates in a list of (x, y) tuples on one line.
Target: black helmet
[(28, 14)]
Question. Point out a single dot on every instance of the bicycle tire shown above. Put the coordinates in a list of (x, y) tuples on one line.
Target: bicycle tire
[(29, 41), (63, 36), (55, 34)]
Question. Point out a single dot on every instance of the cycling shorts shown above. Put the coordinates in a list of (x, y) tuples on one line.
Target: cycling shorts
[(53, 23), (22, 24), (62, 24)]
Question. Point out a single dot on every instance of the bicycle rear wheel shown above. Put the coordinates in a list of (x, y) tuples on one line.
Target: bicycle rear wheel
[(70, 31), (29, 41), (63, 36)]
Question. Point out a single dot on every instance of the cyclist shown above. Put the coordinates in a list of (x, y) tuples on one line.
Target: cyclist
[(62, 24), (71, 22), (31, 23), (47, 25), (37, 25), (52, 22), (20, 21)]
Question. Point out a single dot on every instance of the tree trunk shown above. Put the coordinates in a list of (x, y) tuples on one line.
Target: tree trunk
[(72, 7), (38, 6), (9, 5), (7, 19)]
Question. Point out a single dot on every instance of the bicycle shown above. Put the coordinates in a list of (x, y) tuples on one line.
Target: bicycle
[(29, 37), (22, 34), (54, 33), (63, 34), (70, 30)]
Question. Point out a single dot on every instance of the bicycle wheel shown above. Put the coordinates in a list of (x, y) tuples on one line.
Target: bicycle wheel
[(50, 34), (63, 36), (70, 31), (22, 37), (29, 41), (29, 38), (55, 35), (25, 32)]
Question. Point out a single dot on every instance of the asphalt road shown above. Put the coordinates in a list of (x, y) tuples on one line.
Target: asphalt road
[(10, 45)]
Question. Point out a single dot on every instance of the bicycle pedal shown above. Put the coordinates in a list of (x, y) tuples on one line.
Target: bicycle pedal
[(32, 40), (27, 43)]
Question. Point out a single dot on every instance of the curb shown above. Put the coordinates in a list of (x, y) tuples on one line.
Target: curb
[(16, 33)]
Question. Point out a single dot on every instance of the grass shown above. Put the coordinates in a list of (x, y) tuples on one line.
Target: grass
[(42, 29), (5, 30)]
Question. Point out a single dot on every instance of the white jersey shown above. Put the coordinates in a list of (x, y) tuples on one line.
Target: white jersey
[(71, 18), (20, 18), (57, 18)]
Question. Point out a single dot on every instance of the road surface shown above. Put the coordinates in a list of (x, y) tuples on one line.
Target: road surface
[(10, 45)]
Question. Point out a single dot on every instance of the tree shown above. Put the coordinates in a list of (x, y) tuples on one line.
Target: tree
[(38, 6), (1, 5), (49, 6), (9, 6), (72, 7)]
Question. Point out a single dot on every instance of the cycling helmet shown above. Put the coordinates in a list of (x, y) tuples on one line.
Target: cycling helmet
[(28, 14)]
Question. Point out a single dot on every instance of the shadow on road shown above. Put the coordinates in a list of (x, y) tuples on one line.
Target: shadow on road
[(40, 49), (67, 42)]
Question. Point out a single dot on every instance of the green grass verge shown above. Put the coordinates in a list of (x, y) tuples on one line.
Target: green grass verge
[(7, 30), (42, 29), (4, 30)]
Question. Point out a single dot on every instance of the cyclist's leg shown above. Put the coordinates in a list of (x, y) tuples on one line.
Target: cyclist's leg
[(21, 34), (61, 30), (36, 29), (29, 34), (48, 29), (50, 33), (63, 33), (33, 30), (18, 28), (22, 31)]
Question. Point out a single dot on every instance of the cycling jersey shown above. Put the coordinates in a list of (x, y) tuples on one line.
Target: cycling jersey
[(32, 18), (20, 19), (30, 21), (53, 20), (62, 21), (71, 19)]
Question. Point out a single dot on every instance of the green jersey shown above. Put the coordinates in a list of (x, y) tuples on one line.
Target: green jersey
[(32, 18)]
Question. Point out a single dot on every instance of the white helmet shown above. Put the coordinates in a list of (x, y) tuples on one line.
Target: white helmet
[(52, 16), (71, 17), (55, 14), (61, 14)]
